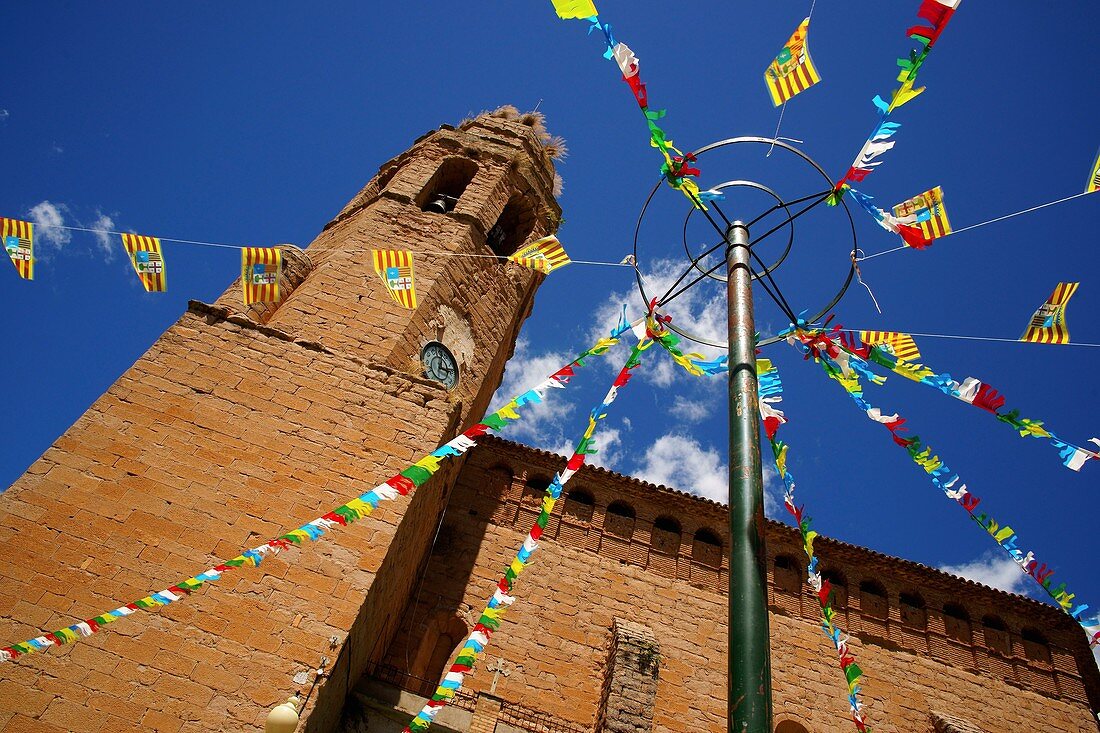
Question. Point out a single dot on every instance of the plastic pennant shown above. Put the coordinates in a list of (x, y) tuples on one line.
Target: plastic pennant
[(792, 71), (18, 239)]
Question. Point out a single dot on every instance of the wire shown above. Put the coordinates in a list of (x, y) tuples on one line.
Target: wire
[(974, 338), (435, 253), (779, 124), (991, 221)]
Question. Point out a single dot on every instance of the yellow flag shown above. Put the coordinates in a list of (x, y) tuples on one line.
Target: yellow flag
[(1048, 324), (792, 71), (147, 260), (575, 8), (927, 212), (18, 239), (900, 345), (1094, 179), (544, 255)]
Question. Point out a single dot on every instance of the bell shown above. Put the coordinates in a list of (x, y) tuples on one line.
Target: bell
[(441, 204)]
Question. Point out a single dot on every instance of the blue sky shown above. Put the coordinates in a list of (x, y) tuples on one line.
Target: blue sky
[(253, 124)]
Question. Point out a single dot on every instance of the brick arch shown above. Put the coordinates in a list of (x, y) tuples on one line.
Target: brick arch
[(873, 600), (450, 179), (1036, 645), (445, 633), (956, 623), (997, 638), (914, 611), (667, 535), (838, 583), (786, 573), (619, 519), (513, 226), (790, 726)]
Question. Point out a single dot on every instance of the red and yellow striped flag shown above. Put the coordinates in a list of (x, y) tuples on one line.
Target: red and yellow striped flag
[(793, 70), (900, 345), (927, 211), (147, 260), (544, 255), (260, 268), (1048, 325), (574, 9), (396, 270), (18, 239)]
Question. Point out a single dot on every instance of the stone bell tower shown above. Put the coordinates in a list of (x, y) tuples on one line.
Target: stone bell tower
[(238, 425)]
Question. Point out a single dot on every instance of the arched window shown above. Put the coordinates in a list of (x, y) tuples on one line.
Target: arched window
[(872, 599), (706, 549), (956, 622), (515, 224), (444, 635), (666, 535), (500, 480), (996, 635), (1036, 647), (534, 490), (913, 612), (447, 185), (578, 506), (619, 520), (838, 585), (789, 726), (384, 177)]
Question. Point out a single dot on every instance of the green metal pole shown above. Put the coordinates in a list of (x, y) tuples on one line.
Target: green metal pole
[(749, 705)]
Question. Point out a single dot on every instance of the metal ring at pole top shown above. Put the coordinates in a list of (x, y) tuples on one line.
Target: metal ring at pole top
[(646, 298)]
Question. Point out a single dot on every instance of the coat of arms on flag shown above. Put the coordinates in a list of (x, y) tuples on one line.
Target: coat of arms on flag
[(260, 268), (926, 211), (396, 270), (900, 345), (544, 255), (147, 260), (793, 70), (18, 239), (1048, 325)]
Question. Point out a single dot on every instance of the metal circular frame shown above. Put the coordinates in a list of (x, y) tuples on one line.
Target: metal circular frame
[(736, 141), (769, 268)]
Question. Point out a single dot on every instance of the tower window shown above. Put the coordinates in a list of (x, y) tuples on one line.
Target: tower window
[(447, 185), (512, 228)]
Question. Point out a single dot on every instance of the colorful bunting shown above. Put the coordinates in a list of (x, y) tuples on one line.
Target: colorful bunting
[(544, 255), (1048, 325), (770, 392), (693, 363), (260, 269), (911, 235), (793, 70), (401, 484), (19, 244), (845, 368), (900, 345), (677, 168), (1094, 178), (502, 599), (396, 270), (147, 260), (972, 391), (927, 211), (938, 13)]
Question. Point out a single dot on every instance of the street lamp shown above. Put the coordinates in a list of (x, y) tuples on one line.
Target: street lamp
[(283, 718)]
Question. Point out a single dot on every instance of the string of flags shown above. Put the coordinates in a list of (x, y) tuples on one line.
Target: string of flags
[(908, 225), (793, 71), (262, 267), (971, 391), (770, 393), (501, 600), (846, 368), (677, 168), (401, 484)]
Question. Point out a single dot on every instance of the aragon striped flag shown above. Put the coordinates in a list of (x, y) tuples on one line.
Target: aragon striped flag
[(900, 345), (1048, 325), (260, 267), (1094, 177), (793, 70), (568, 9), (147, 260), (927, 211), (18, 239), (544, 255), (395, 267)]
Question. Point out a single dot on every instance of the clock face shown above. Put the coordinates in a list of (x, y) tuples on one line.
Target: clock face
[(439, 364)]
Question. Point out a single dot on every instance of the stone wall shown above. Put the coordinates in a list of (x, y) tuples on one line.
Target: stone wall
[(599, 564)]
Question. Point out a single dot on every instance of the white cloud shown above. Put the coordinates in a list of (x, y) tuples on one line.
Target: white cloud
[(680, 462), (4, 115), (994, 569), (689, 410), (46, 217), (102, 224), (545, 421), (56, 149)]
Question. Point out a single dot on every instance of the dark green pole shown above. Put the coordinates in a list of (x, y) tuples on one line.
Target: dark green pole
[(750, 681)]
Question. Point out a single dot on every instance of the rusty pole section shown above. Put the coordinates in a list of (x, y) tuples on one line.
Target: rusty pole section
[(750, 688)]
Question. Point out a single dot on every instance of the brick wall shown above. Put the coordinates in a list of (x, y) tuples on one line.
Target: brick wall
[(557, 634), (227, 433)]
